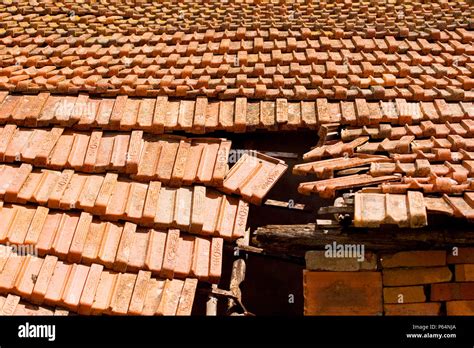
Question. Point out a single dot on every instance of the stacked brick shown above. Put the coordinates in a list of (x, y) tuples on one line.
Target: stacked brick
[(405, 283)]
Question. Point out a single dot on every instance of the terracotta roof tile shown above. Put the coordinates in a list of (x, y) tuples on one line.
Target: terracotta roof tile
[(90, 289), (95, 193)]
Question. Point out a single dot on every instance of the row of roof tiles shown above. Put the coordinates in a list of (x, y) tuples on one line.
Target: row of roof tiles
[(13, 305), (211, 48), (406, 19), (171, 160), (194, 209), (318, 81), (373, 208), (121, 247), (91, 289), (161, 114)]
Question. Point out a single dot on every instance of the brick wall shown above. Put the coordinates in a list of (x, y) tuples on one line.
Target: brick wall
[(435, 282)]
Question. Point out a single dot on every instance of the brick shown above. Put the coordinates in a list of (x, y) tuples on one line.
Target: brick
[(60, 153), (10, 304), (118, 111), (36, 226), (74, 286), (48, 233), (5, 252), (104, 112), (180, 163), (151, 202), (125, 246), (139, 293), (149, 159), (73, 190), (221, 167), (20, 225), (58, 190), (118, 201), (414, 259), (406, 294), (192, 164), (79, 108), (342, 293), (169, 256), (92, 151), (62, 240), (243, 169), (416, 209), (215, 263), (138, 251), (465, 308), (104, 154), (18, 181), (145, 114), (212, 212), (93, 241), (281, 111), (6, 136), (57, 284), (318, 260), (122, 293), (227, 214), (90, 288), (171, 115), (45, 187), (212, 116), (241, 219), (207, 163), (452, 291), (153, 296), (109, 246), (160, 114), (201, 256), (166, 203), (182, 208), (108, 186), (7, 216), (10, 271), (104, 292), (418, 309), (197, 209), (184, 256), (240, 115), (186, 115), (170, 297), (156, 251), (78, 151), (186, 299), (89, 192), (130, 114), (18, 142), (79, 239), (44, 276), (461, 255), (118, 158), (416, 276), (464, 273), (136, 201), (134, 151), (29, 152), (164, 167), (29, 187), (25, 280)]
